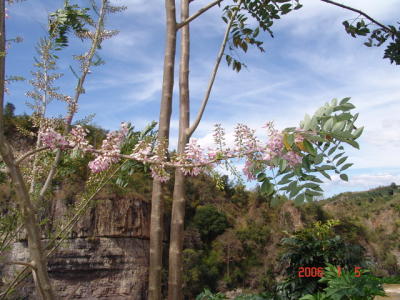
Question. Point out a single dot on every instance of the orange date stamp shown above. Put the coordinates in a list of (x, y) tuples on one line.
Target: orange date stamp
[(319, 271)]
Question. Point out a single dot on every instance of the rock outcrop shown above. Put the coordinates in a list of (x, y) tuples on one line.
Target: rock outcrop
[(105, 256)]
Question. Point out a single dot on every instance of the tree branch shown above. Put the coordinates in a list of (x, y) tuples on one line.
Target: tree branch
[(192, 128), (198, 13), (29, 265), (78, 92), (27, 154), (358, 11)]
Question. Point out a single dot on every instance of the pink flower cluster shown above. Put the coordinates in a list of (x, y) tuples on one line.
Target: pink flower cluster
[(193, 161), (141, 152), (78, 139), (274, 145), (194, 154), (52, 139), (245, 139), (248, 170), (110, 150), (159, 173), (292, 158), (219, 136)]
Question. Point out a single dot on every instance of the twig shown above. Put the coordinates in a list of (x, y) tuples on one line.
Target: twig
[(358, 11), (197, 14), (28, 265), (27, 154), (192, 128)]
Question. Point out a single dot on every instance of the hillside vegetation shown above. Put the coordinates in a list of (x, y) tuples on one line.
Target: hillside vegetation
[(234, 237)]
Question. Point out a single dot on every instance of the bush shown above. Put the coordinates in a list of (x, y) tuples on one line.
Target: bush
[(209, 222), (315, 246), (348, 286)]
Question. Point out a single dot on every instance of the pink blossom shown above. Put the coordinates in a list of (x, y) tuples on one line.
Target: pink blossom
[(78, 139), (51, 138), (111, 146), (293, 158)]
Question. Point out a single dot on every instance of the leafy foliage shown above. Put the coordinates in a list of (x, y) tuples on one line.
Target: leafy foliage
[(347, 285), (63, 20), (377, 37), (124, 177), (209, 222), (202, 269), (324, 133), (265, 13), (208, 295), (315, 246)]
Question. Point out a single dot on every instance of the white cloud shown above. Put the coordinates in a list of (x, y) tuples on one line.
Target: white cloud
[(366, 181)]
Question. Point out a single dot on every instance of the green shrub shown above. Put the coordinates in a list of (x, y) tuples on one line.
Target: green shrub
[(348, 286), (315, 246), (209, 222)]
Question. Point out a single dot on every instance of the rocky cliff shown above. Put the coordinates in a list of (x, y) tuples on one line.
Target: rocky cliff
[(105, 257)]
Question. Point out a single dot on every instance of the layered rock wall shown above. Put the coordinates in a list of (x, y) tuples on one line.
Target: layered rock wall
[(105, 256)]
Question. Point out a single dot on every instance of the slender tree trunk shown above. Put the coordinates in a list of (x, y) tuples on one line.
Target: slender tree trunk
[(38, 258), (157, 205), (175, 281)]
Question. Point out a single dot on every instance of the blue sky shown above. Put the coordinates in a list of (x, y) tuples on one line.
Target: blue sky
[(310, 61)]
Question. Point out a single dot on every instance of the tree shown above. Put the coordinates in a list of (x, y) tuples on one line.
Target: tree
[(62, 21), (9, 110), (242, 36)]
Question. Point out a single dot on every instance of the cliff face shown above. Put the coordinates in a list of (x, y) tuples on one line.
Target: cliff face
[(105, 257)]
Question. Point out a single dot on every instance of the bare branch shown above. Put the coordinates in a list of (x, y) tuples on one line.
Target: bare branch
[(198, 13), (359, 12), (27, 154), (192, 128), (29, 265)]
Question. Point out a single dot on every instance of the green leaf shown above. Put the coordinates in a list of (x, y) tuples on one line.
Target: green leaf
[(306, 163), (346, 166), (326, 175), (344, 100), (267, 188), (339, 126), (294, 191), (309, 197), (313, 193), (261, 177), (319, 158), (353, 143), (313, 178), (310, 185), (357, 133), (228, 59), (299, 199), (342, 160), (282, 165), (325, 168), (328, 125), (285, 179), (309, 147), (341, 135), (344, 177), (347, 106), (337, 156)]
